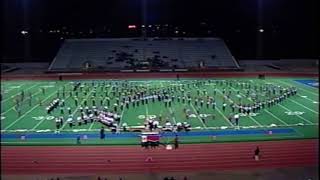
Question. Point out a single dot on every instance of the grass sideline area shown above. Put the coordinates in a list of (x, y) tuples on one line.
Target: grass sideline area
[(299, 113)]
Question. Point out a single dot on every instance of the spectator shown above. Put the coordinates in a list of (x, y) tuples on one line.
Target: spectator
[(176, 142), (256, 154), (102, 135), (78, 139)]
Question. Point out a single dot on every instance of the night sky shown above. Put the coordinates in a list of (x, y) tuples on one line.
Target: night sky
[(290, 26)]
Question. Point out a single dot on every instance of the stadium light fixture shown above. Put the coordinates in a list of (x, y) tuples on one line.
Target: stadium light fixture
[(132, 27), (23, 32)]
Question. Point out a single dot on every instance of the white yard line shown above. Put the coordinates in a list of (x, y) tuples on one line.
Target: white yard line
[(254, 127), (109, 91), (305, 97), (170, 109), (147, 110), (146, 106), (297, 115), (260, 125), (21, 102), (27, 112), (304, 106), (121, 118), (276, 117), (38, 124), (34, 128), (80, 104), (6, 87), (198, 116), (173, 118), (221, 112), (234, 90), (19, 92), (286, 124), (283, 122), (208, 127), (283, 82), (290, 110), (224, 117), (298, 94)]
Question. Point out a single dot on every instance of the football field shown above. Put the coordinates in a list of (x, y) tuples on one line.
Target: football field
[(299, 114)]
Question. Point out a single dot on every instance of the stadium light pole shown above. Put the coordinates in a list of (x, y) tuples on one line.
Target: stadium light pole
[(144, 19), (260, 30), (26, 25), (144, 22)]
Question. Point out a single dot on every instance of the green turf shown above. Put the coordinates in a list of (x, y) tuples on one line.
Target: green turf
[(34, 117)]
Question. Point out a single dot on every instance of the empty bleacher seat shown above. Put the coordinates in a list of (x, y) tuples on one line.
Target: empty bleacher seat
[(159, 53)]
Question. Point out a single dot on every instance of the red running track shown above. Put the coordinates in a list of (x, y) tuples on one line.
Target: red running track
[(125, 159)]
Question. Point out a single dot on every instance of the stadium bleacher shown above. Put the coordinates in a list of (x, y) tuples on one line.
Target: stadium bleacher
[(132, 53), (280, 65), (7, 68)]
